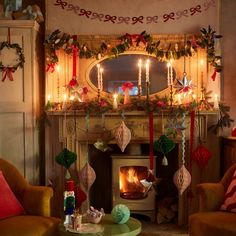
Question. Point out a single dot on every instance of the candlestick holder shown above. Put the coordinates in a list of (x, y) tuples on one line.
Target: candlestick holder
[(171, 95), (139, 90), (99, 95), (147, 90)]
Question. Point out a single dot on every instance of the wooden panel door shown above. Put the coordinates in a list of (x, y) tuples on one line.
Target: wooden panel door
[(19, 103)]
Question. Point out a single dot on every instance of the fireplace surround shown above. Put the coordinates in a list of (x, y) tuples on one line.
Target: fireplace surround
[(76, 141)]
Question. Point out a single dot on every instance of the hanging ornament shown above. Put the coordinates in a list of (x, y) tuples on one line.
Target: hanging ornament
[(201, 155), (87, 176), (80, 197), (184, 85), (182, 177), (122, 136), (164, 145), (66, 158), (173, 126)]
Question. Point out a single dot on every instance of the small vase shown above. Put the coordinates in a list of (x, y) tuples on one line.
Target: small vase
[(127, 96)]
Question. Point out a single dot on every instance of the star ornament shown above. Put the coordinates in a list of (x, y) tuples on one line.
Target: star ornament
[(184, 85)]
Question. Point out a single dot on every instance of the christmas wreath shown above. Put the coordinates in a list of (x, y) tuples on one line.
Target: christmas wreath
[(14, 59)]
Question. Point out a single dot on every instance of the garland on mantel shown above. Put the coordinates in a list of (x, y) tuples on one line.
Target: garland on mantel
[(58, 40)]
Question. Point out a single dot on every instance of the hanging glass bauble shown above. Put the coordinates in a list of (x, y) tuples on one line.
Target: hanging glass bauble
[(182, 179), (87, 176), (122, 136)]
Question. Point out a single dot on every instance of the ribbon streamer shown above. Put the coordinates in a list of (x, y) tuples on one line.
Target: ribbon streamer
[(169, 16), (214, 75), (151, 137), (74, 59), (7, 73)]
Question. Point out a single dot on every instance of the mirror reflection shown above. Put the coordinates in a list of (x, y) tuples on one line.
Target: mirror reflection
[(115, 72)]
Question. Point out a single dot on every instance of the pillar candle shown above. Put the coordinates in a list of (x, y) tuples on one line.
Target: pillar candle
[(140, 72), (168, 73), (98, 75), (115, 101), (101, 79), (147, 71)]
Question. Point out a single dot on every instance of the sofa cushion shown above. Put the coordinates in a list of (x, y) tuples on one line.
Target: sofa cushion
[(9, 205), (230, 196), (216, 223), (25, 225)]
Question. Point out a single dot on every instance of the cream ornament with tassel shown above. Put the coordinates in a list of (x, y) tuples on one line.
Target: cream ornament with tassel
[(122, 136), (182, 177), (87, 176)]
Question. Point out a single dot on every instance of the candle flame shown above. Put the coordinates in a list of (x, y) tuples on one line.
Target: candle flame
[(98, 66), (49, 97), (168, 64), (115, 95), (101, 70), (201, 62), (72, 97), (58, 68)]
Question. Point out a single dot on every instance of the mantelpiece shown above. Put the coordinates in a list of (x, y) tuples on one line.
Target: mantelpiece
[(138, 122)]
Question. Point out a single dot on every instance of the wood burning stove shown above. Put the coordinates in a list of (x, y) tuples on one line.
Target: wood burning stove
[(128, 172)]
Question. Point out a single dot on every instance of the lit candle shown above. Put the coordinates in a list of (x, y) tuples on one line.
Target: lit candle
[(216, 102), (49, 97), (194, 96), (115, 101), (64, 101), (72, 98), (147, 71), (202, 65), (101, 79), (168, 73), (98, 75), (140, 72)]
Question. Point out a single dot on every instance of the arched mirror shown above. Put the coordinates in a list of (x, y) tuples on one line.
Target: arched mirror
[(125, 68)]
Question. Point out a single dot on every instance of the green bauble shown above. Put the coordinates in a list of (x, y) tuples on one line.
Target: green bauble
[(120, 214)]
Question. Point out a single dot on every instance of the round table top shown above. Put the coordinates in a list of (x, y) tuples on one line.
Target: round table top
[(131, 228)]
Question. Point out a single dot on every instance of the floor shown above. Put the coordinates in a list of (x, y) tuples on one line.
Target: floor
[(151, 229)]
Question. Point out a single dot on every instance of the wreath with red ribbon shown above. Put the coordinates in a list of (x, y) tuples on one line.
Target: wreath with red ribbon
[(6, 69)]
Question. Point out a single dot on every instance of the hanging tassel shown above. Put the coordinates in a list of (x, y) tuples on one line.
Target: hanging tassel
[(164, 161), (67, 176)]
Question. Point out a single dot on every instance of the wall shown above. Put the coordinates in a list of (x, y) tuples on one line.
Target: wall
[(133, 16), (228, 31)]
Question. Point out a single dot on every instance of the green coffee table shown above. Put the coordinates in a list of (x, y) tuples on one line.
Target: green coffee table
[(131, 228)]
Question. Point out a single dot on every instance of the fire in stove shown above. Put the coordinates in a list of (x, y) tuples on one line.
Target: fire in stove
[(130, 179)]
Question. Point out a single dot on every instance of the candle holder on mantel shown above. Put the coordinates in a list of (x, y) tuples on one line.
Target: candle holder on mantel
[(139, 90), (147, 90), (99, 95)]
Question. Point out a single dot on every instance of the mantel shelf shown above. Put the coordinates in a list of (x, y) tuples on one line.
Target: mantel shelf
[(131, 113)]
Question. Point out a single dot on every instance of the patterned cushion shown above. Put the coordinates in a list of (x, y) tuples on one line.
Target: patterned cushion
[(9, 205), (230, 196)]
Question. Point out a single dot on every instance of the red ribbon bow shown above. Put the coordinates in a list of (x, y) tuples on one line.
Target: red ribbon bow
[(126, 85), (83, 12), (61, 3), (50, 67), (7, 73), (110, 18), (137, 19), (151, 19), (169, 16), (193, 10), (136, 37)]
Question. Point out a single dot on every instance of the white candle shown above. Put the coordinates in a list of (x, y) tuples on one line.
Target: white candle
[(115, 101), (72, 98), (101, 79), (140, 72), (147, 71), (216, 102), (49, 97), (179, 99), (202, 65), (194, 97), (98, 75), (168, 73), (171, 72), (64, 101)]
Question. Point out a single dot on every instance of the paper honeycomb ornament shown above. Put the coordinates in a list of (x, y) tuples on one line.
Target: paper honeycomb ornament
[(87, 176), (182, 179), (122, 136)]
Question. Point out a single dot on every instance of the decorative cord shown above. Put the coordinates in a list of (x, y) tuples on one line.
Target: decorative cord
[(183, 139)]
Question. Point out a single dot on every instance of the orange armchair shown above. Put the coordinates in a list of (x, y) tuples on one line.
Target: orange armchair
[(36, 202), (210, 220)]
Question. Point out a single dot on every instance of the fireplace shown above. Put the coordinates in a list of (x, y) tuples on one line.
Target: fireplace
[(128, 174)]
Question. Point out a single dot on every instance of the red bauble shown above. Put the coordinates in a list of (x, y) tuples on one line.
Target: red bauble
[(233, 132), (201, 155)]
